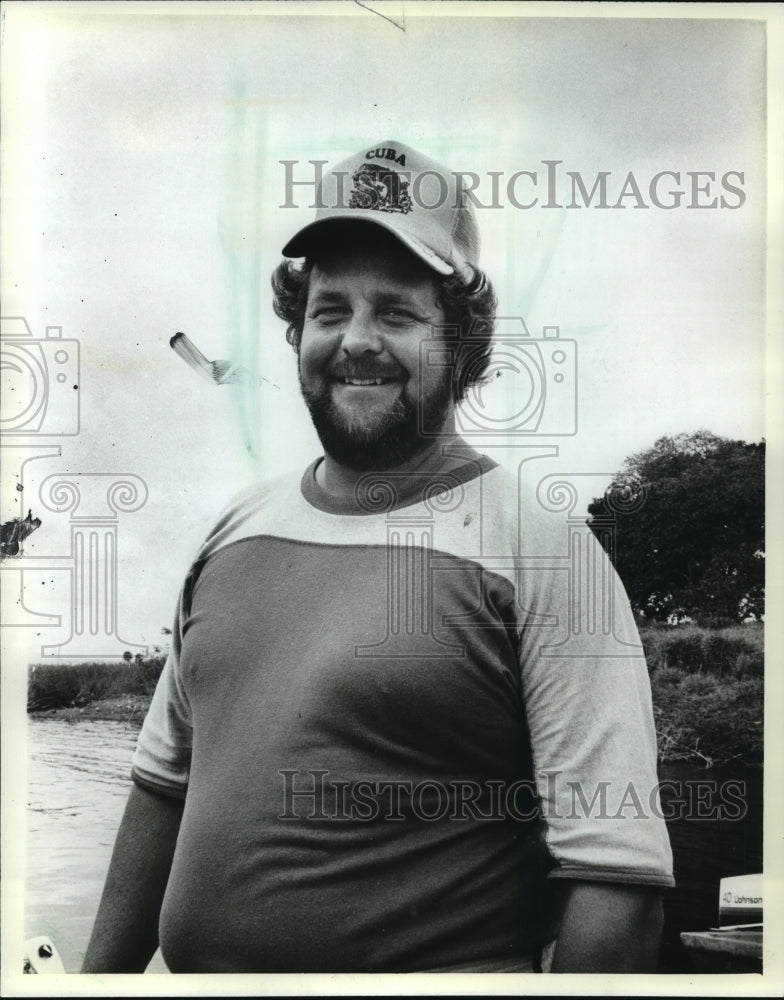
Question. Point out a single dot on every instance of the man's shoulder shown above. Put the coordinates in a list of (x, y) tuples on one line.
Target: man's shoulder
[(252, 510), (495, 519), (514, 499), (260, 493)]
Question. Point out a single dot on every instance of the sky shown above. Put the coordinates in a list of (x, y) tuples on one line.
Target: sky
[(142, 191)]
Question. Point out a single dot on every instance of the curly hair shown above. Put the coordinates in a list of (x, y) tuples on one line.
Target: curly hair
[(469, 309)]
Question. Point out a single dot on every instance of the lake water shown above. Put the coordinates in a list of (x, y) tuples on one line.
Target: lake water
[(78, 782)]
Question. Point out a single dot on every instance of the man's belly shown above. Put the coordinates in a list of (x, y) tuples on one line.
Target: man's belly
[(284, 686), (343, 895)]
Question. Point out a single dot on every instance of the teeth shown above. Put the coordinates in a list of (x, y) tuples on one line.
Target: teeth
[(363, 381)]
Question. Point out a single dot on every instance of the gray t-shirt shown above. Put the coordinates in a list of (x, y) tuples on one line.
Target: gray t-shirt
[(395, 720)]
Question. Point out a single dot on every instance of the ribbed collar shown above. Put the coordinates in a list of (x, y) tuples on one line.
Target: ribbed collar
[(382, 492)]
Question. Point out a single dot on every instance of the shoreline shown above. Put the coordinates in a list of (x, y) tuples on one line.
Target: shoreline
[(130, 708)]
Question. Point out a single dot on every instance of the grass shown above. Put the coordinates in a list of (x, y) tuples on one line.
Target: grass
[(707, 687)]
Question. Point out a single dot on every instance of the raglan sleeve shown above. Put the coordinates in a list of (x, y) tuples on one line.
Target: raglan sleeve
[(161, 760), (589, 714)]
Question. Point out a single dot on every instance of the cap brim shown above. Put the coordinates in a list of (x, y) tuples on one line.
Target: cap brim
[(302, 242)]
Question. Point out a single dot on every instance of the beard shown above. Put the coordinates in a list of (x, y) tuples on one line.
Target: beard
[(385, 442)]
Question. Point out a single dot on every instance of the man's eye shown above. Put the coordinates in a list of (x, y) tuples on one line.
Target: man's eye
[(329, 315), (398, 317)]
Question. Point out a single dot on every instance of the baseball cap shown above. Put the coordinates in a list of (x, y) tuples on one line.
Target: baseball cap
[(400, 189)]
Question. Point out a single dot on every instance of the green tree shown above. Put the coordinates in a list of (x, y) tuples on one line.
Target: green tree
[(684, 522)]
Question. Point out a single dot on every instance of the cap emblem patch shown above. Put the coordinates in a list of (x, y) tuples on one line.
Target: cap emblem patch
[(379, 188)]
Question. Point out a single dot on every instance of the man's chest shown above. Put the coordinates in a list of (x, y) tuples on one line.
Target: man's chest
[(393, 652)]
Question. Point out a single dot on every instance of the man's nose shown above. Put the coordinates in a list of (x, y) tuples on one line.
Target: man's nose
[(360, 336)]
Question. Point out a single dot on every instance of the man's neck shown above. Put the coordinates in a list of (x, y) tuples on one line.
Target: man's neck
[(442, 455)]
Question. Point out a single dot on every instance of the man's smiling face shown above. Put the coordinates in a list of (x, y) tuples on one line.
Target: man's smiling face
[(369, 308)]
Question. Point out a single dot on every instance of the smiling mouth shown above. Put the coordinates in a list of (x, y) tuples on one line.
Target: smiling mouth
[(366, 381)]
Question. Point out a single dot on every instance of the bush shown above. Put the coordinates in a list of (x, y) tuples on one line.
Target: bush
[(687, 651), (714, 621), (749, 664), (669, 677), (75, 685), (728, 652)]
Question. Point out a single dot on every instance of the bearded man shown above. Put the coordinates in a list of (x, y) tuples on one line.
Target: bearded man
[(367, 745)]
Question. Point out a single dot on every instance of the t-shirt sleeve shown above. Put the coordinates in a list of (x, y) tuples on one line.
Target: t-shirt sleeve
[(161, 761), (589, 713)]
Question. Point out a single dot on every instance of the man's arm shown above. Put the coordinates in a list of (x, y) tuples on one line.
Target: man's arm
[(125, 934), (608, 928)]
